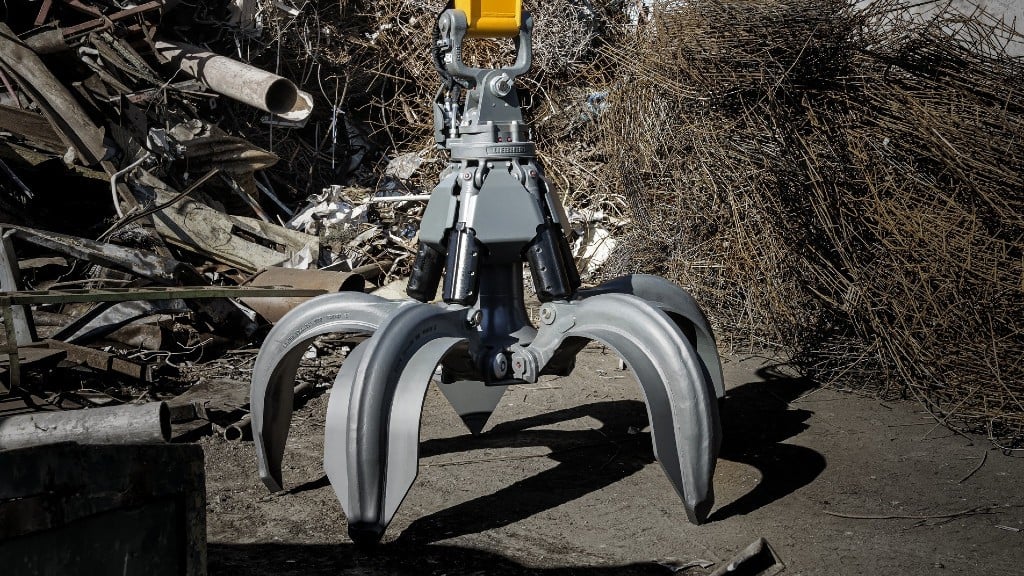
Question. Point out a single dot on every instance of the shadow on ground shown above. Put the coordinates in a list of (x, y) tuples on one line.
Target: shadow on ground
[(757, 419), (388, 559)]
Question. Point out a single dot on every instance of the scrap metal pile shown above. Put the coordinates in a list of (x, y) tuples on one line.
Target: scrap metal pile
[(161, 163), (840, 183)]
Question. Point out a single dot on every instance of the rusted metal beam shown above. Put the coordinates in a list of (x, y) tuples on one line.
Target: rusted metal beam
[(31, 126), (104, 361), (17, 319), (44, 11), (139, 262), (105, 21)]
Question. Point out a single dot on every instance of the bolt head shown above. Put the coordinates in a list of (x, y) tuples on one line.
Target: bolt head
[(501, 85), (547, 314), (500, 366)]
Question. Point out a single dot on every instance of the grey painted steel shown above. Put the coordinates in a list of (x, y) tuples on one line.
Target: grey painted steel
[(373, 419), (675, 301), (271, 393), (126, 424), (494, 198), (439, 215), (473, 401), (509, 214), (681, 406), (372, 443)]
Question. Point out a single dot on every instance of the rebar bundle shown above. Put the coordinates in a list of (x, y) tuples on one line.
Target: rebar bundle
[(843, 183)]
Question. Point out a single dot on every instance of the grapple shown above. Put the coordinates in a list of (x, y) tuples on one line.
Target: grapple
[(492, 211)]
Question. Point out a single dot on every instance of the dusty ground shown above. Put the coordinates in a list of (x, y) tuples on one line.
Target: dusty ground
[(564, 481)]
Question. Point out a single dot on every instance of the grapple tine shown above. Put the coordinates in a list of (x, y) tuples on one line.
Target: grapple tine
[(681, 404), (372, 444), (271, 392), (681, 306)]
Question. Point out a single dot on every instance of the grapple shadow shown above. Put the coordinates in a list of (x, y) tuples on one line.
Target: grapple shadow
[(757, 420)]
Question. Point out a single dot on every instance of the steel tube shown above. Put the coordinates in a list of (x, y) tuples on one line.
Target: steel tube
[(126, 424), (247, 84)]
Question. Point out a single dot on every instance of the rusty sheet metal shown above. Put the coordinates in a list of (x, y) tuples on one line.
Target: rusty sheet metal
[(274, 308), (139, 262), (147, 293), (103, 320), (246, 243), (65, 114), (31, 126), (228, 153)]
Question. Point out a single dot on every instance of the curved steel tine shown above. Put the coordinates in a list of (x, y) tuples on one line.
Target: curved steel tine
[(372, 444), (271, 392), (674, 300), (473, 401), (682, 408)]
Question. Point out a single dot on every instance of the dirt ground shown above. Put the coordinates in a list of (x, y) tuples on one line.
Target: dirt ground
[(563, 481)]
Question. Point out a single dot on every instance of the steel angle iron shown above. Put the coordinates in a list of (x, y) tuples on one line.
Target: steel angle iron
[(492, 211)]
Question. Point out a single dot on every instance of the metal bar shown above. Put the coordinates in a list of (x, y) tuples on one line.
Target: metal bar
[(249, 200), (17, 181), (150, 293), (410, 198), (13, 362), (59, 106), (10, 281), (103, 21), (44, 11)]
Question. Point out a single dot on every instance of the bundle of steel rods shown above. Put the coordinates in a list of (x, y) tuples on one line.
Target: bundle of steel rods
[(846, 184)]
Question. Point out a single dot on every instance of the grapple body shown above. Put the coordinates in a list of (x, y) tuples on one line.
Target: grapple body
[(492, 212)]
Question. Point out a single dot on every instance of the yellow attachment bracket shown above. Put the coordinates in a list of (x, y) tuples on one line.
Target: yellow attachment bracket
[(492, 18)]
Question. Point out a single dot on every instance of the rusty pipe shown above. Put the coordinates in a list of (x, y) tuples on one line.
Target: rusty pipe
[(126, 424), (237, 80)]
